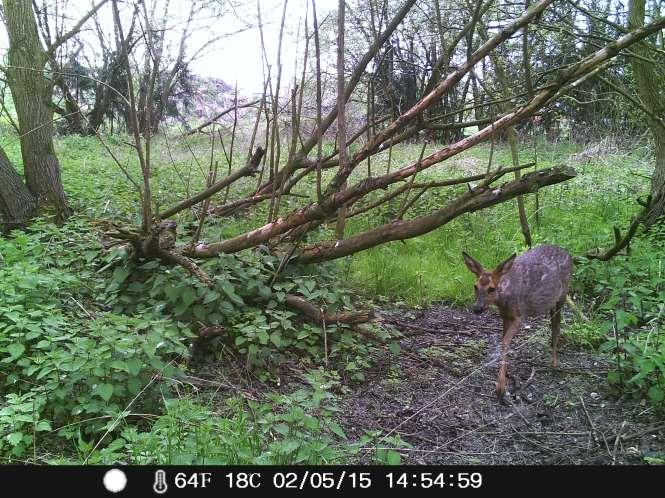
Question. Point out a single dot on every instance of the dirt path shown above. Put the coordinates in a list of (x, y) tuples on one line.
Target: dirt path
[(437, 394)]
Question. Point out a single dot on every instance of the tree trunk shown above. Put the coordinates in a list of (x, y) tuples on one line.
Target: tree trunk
[(341, 114), (32, 93), (511, 134), (16, 202), (650, 91)]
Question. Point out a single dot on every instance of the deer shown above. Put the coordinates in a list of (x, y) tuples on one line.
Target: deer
[(532, 284)]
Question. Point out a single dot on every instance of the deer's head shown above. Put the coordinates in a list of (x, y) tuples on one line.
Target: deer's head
[(487, 282)]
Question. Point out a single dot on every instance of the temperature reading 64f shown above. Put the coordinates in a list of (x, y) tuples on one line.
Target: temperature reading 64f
[(195, 480)]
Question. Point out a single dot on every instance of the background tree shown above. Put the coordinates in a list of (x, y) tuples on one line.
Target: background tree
[(649, 82), (32, 92), (17, 204)]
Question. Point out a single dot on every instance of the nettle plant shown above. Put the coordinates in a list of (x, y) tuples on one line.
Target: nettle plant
[(247, 307), (630, 311), (295, 428), (65, 371)]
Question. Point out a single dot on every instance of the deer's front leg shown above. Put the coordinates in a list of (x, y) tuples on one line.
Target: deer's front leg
[(511, 325)]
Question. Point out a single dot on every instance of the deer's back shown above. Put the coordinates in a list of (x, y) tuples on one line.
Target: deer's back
[(538, 279)]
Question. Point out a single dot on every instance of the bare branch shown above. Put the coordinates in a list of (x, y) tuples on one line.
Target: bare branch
[(72, 32)]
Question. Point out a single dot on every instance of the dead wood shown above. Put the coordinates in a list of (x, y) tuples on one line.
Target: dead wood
[(220, 115), (248, 170), (623, 242), (480, 197), (317, 315)]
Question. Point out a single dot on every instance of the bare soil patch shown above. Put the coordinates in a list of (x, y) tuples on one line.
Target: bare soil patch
[(437, 394)]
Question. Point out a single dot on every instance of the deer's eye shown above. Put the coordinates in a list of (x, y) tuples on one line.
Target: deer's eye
[(491, 289)]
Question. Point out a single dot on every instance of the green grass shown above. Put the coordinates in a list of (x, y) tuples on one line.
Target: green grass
[(578, 215)]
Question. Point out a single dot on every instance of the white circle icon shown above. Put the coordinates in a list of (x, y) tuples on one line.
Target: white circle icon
[(115, 480)]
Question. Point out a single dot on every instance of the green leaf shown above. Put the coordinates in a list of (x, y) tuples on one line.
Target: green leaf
[(657, 394), (133, 366), (43, 425), (229, 290), (393, 458), (172, 293), (276, 339), (337, 429), (105, 391), (282, 429), (199, 312), (309, 285), (395, 348), (263, 336), (15, 438), (120, 275), (15, 350), (288, 446), (188, 296), (133, 385), (210, 296), (264, 291)]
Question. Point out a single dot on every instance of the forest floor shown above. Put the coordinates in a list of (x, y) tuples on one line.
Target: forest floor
[(437, 394)]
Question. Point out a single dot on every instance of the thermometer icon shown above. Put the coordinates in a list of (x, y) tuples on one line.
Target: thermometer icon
[(160, 485)]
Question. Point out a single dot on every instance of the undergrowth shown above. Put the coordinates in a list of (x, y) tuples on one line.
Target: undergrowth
[(92, 346)]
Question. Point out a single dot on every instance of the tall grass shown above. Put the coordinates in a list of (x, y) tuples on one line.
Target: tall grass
[(578, 215)]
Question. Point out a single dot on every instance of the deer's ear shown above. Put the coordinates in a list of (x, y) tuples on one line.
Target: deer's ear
[(473, 265), (505, 267)]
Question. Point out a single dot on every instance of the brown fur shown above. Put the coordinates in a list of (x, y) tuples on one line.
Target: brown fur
[(531, 284)]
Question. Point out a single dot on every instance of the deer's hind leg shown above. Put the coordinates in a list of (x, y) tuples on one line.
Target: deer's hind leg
[(555, 318)]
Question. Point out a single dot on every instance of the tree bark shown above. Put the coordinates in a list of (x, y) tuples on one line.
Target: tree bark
[(319, 316), (17, 204), (479, 198), (32, 92), (650, 91), (341, 113)]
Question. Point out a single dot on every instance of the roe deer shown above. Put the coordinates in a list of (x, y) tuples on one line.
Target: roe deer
[(531, 284)]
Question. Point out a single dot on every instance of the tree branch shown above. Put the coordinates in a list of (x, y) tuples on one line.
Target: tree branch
[(478, 198), (318, 316), (248, 170), (77, 27)]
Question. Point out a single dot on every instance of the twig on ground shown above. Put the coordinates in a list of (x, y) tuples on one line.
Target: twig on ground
[(616, 443), (592, 426)]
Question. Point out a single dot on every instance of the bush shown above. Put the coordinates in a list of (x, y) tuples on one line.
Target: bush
[(629, 304), (256, 321), (295, 428), (62, 366)]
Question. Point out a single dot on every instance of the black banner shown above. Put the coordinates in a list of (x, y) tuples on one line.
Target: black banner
[(249, 480)]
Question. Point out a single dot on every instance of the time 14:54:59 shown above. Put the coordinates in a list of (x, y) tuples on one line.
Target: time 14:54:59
[(430, 479)]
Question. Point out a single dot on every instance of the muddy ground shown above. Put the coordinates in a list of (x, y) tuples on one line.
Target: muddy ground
[(438, 395)]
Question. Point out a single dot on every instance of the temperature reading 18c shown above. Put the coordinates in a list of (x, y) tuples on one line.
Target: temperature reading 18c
[(244, 480)]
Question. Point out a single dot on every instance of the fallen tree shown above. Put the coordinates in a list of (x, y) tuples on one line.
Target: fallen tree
[(284, 233)]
